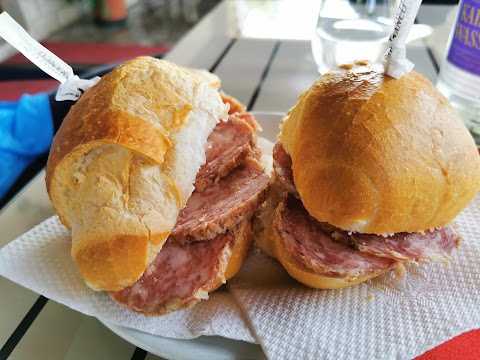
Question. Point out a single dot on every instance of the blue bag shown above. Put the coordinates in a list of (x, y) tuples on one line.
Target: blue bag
[(26, 131)]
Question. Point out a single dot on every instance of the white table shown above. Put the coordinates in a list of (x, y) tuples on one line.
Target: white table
[(266, 74)]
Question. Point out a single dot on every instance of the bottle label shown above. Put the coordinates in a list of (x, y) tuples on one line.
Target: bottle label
[(465, 46)]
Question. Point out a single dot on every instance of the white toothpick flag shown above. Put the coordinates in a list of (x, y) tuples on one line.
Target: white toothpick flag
[(395, 62), (71, 85)]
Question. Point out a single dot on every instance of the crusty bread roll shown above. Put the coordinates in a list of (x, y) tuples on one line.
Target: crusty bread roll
[(306, 276), (234, 258), (263, 230), (123, 164), (363, 154), (229, 263), (268, 240), (374, 154)]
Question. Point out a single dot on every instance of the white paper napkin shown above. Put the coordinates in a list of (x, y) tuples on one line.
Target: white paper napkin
[(40, 260), (384, 318), (388, 317)]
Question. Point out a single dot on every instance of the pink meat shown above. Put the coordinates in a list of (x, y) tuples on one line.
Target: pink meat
[(177, 272), (436, 245), (249, 119), (235, 105), (282, 166), (228, 145), (224, 205), (304, 238)]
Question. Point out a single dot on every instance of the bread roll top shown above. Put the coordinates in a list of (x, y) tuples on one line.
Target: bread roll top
[(374, 154), (123, 163)]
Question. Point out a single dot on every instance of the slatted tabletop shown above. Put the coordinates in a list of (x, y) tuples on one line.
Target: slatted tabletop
[(266, 74)]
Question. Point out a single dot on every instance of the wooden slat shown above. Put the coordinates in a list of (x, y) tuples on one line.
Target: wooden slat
[(28, 209), (15, 302), (94, 341), (293, 70), (201, 46), (202, 57), (50, 335), (242, 67), (62, 333), (153, 357)]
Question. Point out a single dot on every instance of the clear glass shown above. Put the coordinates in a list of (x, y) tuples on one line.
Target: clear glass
[(351, 30)]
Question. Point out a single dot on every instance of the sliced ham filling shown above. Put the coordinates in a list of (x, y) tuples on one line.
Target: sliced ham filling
[(219, 207), (177, 276), (235, 105), (303, 237), (282, 167), (228, 146), (436, 245), (232, 185)]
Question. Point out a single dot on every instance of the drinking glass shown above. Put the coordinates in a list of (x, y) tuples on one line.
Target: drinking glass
[(351, 30)]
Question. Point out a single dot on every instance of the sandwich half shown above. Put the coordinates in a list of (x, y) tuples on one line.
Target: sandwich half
[(156, 174), (369, 172)]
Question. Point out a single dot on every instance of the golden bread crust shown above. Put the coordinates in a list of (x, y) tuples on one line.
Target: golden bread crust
[(123, 163), (378, 155), (268, 240), (243, 238), (231, 260)]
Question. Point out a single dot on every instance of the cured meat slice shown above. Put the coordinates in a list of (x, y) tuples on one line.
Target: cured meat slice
[(179, 277), (235, 105), (220, 207), (228, 146), (436, 245), (304, 238), (282, 167), (249, 119)]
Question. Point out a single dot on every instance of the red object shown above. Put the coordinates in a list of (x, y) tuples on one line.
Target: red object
[(12, 90), (93, 53), (73, 53), (465, 347)]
